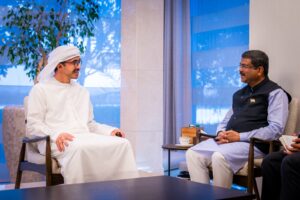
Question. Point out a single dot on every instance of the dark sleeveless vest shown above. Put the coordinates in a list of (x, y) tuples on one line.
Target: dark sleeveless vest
[(250, 108)]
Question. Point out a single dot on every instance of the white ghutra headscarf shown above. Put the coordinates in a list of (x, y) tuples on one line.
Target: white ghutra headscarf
[(58, 55)]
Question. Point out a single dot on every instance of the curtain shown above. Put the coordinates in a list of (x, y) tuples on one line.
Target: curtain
[(177, 70)]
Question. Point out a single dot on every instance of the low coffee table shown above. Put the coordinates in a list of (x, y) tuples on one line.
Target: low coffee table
[(150, 188)]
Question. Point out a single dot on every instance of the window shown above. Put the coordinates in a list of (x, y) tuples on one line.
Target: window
[(219, 35), (100, 70)]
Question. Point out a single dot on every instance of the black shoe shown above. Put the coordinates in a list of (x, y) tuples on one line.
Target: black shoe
[(184, 174)]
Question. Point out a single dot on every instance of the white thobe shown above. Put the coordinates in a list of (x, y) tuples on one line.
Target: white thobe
[(93, 155)]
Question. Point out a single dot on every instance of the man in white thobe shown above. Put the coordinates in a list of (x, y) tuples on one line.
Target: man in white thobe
[(61, 108)]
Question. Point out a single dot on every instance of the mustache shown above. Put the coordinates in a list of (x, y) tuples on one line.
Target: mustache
[(76, 70), (242, 74)]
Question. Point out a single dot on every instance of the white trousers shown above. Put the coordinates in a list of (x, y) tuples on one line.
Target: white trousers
[(199, 164)]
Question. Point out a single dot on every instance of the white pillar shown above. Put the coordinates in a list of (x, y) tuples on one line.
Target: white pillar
[(142, 79), (274, 28)]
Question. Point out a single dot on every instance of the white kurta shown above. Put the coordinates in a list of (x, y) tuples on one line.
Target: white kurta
[(93, 155)]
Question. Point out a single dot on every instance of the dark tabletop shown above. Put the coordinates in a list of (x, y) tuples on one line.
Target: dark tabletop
[(156, 188)]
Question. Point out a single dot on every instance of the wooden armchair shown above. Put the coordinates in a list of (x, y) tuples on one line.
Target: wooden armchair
[(251, 170), (36, 162), (30, 159), (247, 175)]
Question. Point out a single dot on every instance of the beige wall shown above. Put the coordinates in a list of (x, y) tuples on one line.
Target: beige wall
[(275, 28), (142, 80)]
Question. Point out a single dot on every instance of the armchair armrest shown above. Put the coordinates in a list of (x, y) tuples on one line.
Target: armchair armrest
[(34, 139), (203, 136), (207, 135), (48, 160), (272, 143), (257, 140), (254, 141)]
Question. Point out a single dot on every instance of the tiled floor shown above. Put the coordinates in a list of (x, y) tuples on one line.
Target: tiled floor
[(23, 185)]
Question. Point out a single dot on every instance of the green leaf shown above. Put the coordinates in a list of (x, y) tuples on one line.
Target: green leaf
[(20, 62), (32, 27)]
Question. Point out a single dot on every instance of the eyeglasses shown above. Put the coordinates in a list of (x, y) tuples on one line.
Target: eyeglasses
[(242, 66), (76, 63)]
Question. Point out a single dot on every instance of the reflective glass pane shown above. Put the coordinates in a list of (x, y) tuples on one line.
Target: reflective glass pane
[(219, 34)]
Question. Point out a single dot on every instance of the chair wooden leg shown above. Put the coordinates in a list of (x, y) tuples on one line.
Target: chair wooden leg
[(48, 162), (250, 185), (19, 171), (18, 179), (256, 190)]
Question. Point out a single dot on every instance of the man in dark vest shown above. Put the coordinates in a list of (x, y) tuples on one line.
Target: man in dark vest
[(260, 109)]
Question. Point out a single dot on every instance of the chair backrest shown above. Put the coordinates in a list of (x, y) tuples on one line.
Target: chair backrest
[(32, 154), (291, 123), (25, 103)]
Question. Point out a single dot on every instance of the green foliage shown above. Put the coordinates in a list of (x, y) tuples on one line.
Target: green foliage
[(34, 30)]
